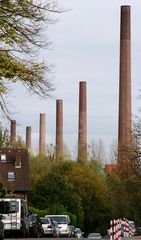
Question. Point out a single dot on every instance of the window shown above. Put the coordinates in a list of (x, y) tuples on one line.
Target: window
[(11, 176), (3, 158), (7, 207), (44, 220), (18, 161)]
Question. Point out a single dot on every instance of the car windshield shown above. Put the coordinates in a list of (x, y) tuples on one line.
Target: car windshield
[(59, 219), (44, 220)]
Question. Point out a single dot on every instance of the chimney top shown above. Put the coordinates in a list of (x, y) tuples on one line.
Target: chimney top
[(124, 6), (82, 81)]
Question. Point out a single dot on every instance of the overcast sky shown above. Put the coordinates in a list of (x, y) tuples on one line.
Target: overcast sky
[(85, 48)]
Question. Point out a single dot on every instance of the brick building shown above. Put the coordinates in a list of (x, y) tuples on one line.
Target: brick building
[(14, 171)]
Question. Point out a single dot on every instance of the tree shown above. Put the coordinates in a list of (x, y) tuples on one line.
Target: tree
[(53, 192), (51, 152), (96, 165), (39, 167), (125, 184), (97, 151), (4, 138), (93, 209), (18, 143), (113, 154), (70, 188), (21, 24)]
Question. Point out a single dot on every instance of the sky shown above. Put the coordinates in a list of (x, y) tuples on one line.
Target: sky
[(85, 47)]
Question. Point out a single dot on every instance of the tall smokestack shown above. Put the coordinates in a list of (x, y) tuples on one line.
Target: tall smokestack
[(59, 129), (28, 137), (125, 121), (82, 132), (13, 131), (42, 135)]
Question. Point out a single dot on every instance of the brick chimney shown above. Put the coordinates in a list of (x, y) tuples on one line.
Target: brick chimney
[(125, 120), (82, 128), (59, 129), (28, 137), (13, 131), (42, 135)]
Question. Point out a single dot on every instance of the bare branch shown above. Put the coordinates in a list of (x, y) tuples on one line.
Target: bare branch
[(21, 24)]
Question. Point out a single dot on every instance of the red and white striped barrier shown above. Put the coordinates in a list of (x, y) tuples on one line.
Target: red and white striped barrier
[(115, 229), (131, 229), (120, 228), (126, 228)]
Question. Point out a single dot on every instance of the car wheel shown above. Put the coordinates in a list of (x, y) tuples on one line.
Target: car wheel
[(2, 237)]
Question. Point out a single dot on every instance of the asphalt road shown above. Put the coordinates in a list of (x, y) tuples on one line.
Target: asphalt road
[(51, 238), (104, 238)]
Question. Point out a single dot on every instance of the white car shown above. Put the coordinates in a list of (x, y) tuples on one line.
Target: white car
[(95, 236), (63, 223), (47, 226)]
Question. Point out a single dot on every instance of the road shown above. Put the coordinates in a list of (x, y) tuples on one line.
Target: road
[(52, 238), (105, 238)]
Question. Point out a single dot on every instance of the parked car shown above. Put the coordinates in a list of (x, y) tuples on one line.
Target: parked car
[(138, 231), (48, 227), (1, 228), (63, 222), (95, 236), (78, 233), (35, 226), (57, 232)]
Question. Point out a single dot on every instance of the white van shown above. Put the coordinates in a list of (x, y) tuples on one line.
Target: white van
[(14, 213), (63, 223)]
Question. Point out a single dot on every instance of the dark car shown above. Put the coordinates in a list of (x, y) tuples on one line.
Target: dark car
[(35, 226), (138, 231), (1, 229)]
